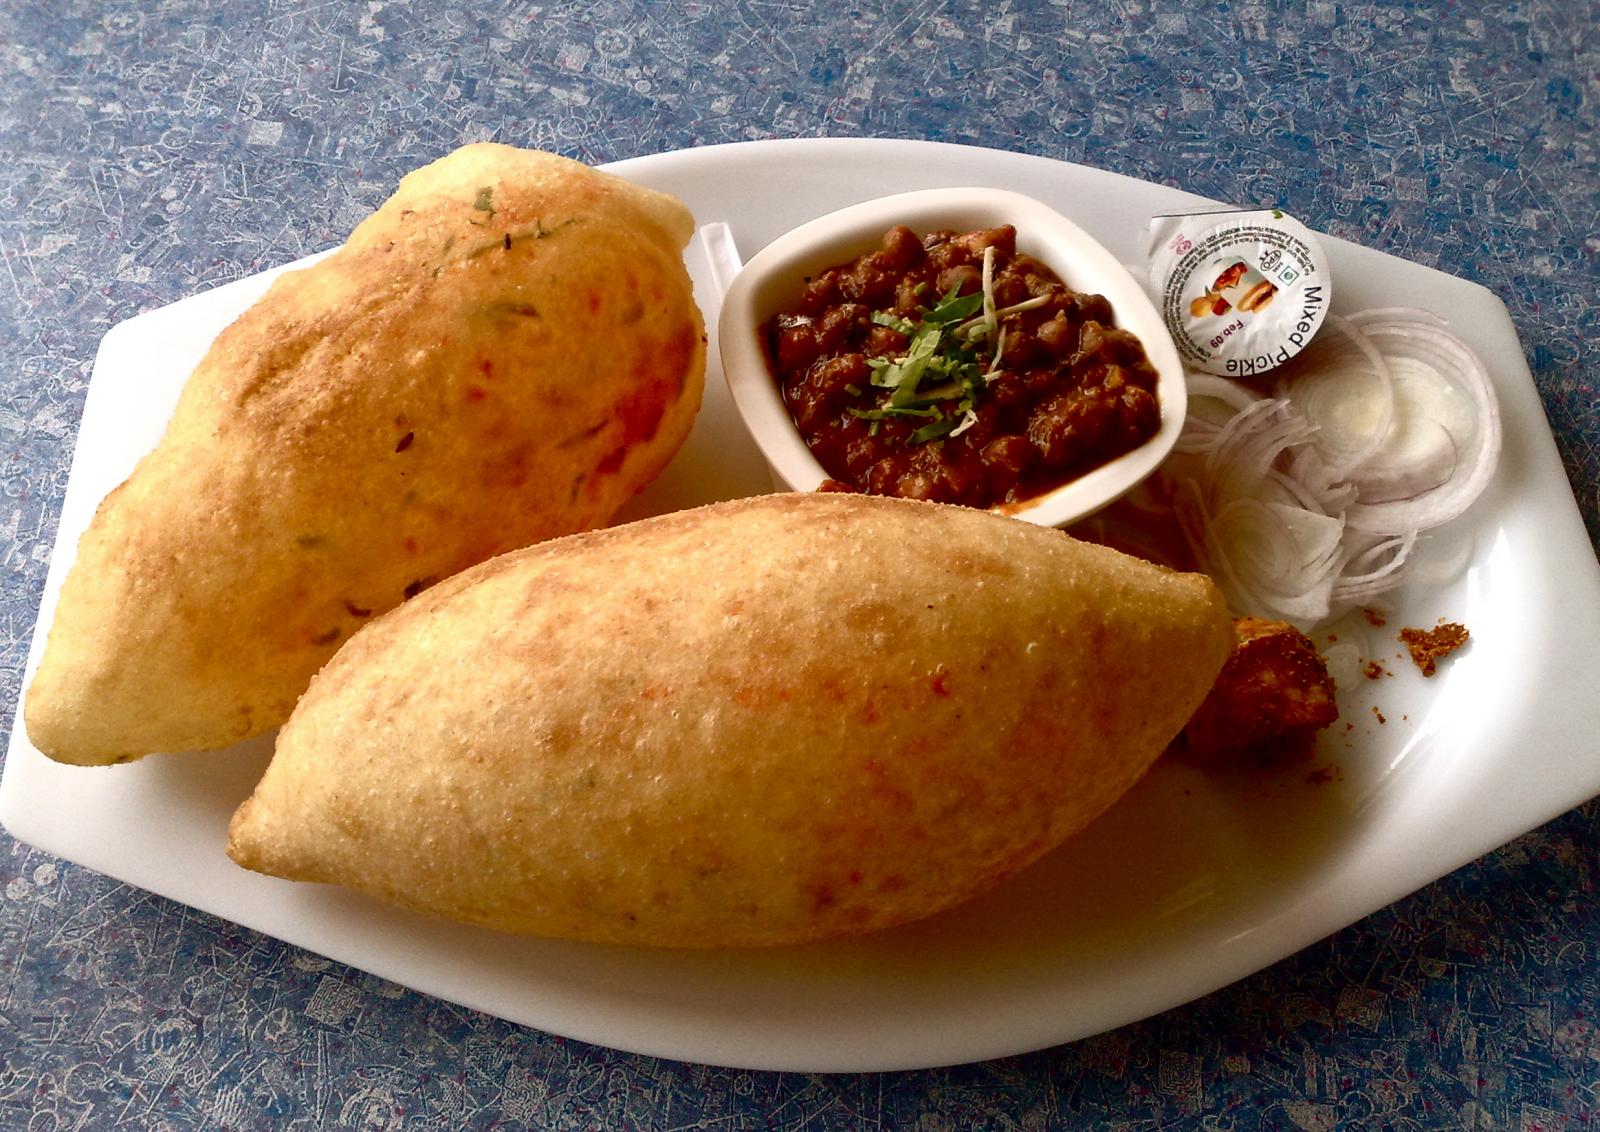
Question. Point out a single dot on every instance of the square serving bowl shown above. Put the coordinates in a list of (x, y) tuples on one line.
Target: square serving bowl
[(774, 278)]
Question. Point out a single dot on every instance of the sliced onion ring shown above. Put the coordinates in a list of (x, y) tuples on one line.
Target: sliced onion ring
[(1344, 389), (1424, 342), (1307, 503)]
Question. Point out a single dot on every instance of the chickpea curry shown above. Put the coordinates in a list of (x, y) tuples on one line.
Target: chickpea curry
[(949, 367)]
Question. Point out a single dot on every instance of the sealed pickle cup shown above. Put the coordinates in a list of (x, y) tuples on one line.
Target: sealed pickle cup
[(1240, 292), (774, 278)]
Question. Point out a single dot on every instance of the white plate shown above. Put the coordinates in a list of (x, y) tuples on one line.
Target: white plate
[(1192, 882)]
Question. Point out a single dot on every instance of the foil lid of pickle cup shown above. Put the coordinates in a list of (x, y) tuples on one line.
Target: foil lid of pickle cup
[(1241, 292)]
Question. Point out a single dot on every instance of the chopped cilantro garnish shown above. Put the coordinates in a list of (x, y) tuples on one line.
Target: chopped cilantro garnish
[(887, 411), (933, 431), (954, 308), (940, 375)]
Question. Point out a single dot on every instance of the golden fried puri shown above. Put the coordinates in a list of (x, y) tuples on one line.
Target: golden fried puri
[(505, 352), (755, 723)]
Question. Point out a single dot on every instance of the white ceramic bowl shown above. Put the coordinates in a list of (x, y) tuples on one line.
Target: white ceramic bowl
[(772, 281)]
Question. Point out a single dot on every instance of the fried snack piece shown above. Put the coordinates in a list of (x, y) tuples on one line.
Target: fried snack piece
[(754, 723), (1274, 694), (505, 352)]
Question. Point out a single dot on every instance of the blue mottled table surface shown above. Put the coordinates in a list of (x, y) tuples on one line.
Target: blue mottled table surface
[(151, 150)]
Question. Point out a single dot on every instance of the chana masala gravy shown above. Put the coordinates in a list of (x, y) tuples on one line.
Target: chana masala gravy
[(949, 367)]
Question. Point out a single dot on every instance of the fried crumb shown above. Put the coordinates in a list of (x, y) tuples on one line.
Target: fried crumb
[(1379, 715), (1269, 701), (1374, 617), (1428, 646), (1374, 670)]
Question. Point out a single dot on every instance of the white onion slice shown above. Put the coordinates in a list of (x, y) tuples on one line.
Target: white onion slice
[(1268, 559), (1373, 571), (1298, 493), (1346, 393), (1441, 557), (1424, 443), (1468, 411), (1213, 402), (1249, 445), (1309, 503), (1230, 393), (1332, 494)]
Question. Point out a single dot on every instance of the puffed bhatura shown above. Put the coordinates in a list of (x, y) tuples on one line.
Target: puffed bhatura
[(755, 723), (505, 352)]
